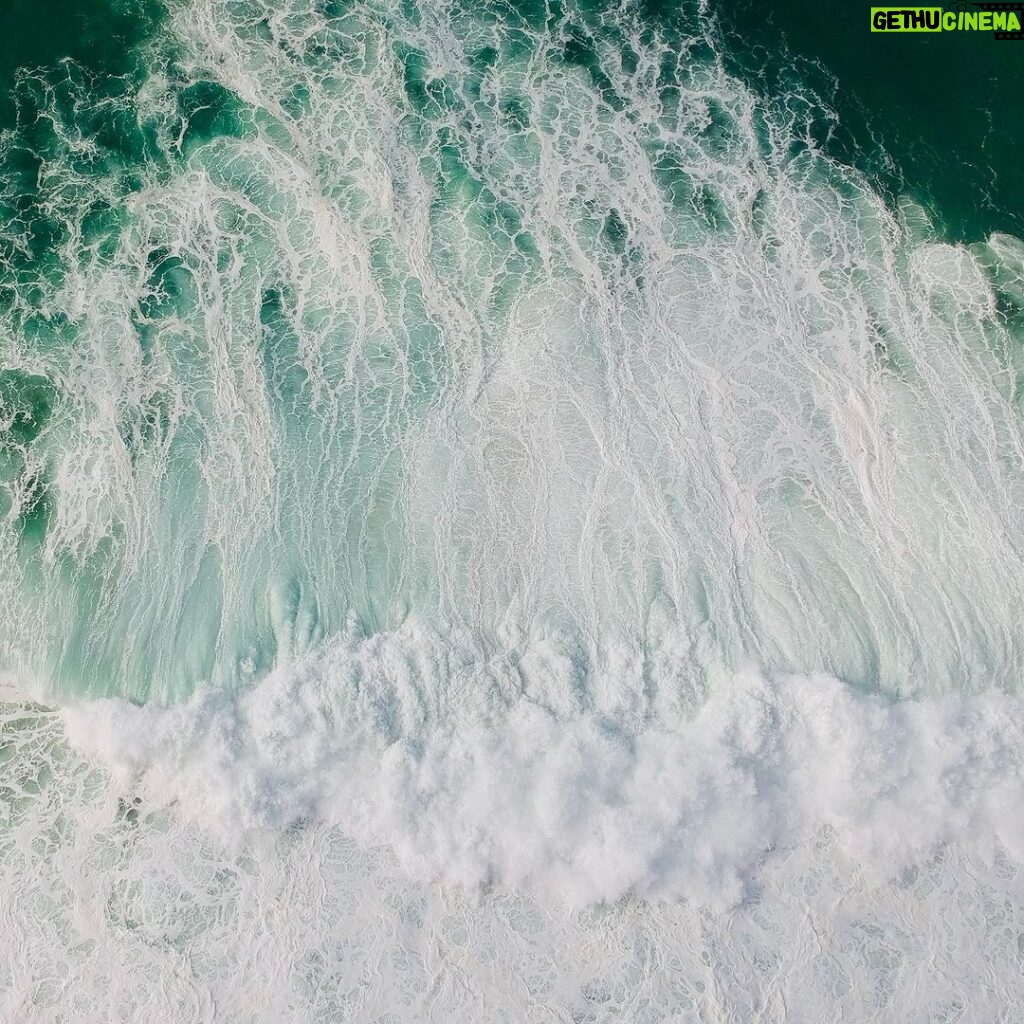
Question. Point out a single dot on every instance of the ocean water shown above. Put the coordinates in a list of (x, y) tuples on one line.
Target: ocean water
[(508, 512)]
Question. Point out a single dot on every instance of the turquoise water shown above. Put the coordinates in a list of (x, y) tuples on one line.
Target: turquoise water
[(522, 484)]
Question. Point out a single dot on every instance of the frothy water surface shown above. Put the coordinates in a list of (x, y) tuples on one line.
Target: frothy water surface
[(508, 529)]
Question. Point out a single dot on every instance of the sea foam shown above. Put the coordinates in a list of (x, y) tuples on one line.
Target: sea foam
[(801, 849), (472, 783), (511, 326)]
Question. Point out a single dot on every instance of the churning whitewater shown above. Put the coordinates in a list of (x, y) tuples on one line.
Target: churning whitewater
[(496, 526)]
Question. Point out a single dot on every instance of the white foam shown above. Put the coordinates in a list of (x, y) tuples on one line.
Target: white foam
[(438, 753), (809, 852)]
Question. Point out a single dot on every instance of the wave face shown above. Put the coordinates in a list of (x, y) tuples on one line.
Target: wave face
[(530, 328), (506, 528)]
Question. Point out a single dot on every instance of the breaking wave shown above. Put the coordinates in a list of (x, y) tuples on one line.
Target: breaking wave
[(481, 485)]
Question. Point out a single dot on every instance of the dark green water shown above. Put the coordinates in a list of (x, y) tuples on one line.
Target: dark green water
[(937, 116), (98, 34)]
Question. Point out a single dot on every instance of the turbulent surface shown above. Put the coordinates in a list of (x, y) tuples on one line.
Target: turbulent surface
[(507, 466), (125, 911), (529, 332)]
